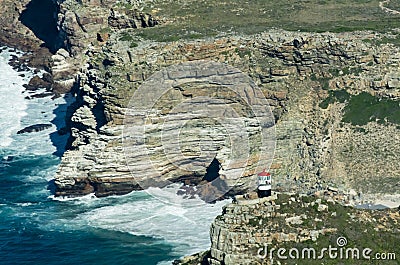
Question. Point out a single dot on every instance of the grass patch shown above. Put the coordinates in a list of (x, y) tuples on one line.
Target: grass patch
[(243, 52), (363, 108), (133, 45), (385, 40), (126, 36), (335, 96), (170, 34), (105, 30), (394, 5), (359, 227), (194, 19), (129, 37)]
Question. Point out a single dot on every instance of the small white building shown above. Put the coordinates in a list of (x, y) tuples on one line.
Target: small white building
[(264, 184)]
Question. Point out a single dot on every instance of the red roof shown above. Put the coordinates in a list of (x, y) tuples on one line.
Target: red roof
[(264, 173)]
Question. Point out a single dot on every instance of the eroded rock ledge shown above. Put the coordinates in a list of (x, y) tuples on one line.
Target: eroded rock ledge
[(295, 72), (240, 235)]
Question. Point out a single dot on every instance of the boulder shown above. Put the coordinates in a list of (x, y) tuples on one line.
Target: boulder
[(34, 128)]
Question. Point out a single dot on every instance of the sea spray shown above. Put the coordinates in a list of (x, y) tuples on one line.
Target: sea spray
[(12, 101), (181, 222), (136, 228)]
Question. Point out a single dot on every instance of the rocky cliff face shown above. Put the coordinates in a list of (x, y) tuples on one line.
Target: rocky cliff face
[(335, 117), (295, 72), (313, 82), (249, 229), (13, 32)]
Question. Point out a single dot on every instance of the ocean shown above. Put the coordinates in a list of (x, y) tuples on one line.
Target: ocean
[(36, 228)]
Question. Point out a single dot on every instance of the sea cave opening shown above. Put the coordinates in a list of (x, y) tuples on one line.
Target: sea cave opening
[(40, 16), (212, 171)]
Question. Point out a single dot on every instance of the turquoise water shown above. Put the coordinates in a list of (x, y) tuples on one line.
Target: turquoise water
[(35, 228)]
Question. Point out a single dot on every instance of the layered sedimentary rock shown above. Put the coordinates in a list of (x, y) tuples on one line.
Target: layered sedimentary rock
[(84, 23), (307, 79), (184, 117), (295, 72)]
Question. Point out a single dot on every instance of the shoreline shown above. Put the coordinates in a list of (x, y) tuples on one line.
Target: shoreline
[(40, 106)]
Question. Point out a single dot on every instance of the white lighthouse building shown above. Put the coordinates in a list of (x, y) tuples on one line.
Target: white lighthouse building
[(264, 184)]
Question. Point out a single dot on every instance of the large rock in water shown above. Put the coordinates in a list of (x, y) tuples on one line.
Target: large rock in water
[(37, 83), (34, 128)]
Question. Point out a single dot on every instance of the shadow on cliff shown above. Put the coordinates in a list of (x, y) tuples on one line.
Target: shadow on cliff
[(40, 16), (61, 138)]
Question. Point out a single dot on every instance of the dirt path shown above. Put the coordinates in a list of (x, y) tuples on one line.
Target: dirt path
[(388, 10)]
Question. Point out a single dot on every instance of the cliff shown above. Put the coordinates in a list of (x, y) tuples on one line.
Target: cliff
[(334, 96), (321, 80), (297, 73), (249, 229), (13, 32)]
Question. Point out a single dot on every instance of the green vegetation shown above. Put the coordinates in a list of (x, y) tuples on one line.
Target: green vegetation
[(385, 40), (363, 108), (170, 33), (360, 235), (133, 44), (335, 96), (377, 230), (243, 52), (394, 5), (124, 5), (395, 41), (323, 81), (195, 19), (127, 36), (105, 30)]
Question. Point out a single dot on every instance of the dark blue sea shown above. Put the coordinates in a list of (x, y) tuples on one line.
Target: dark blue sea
[(36, 228)]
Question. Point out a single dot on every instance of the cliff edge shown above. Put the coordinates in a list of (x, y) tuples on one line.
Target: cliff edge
[(333, 89), (252, 231)]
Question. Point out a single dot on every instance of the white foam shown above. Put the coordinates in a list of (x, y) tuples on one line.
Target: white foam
[(43, 110), (12, 102), (87, 199), (184, 224), (16, 112), (25, 204)]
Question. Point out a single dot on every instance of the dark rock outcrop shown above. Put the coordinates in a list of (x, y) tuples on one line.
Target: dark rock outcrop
[(40, 16), (37, 82), (131, 19), (100, 187), (34, 128)]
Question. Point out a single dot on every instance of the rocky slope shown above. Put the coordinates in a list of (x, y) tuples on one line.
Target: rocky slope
[(13, 32), (295, 72), (249, 229), (333, 116), (313, 82)]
